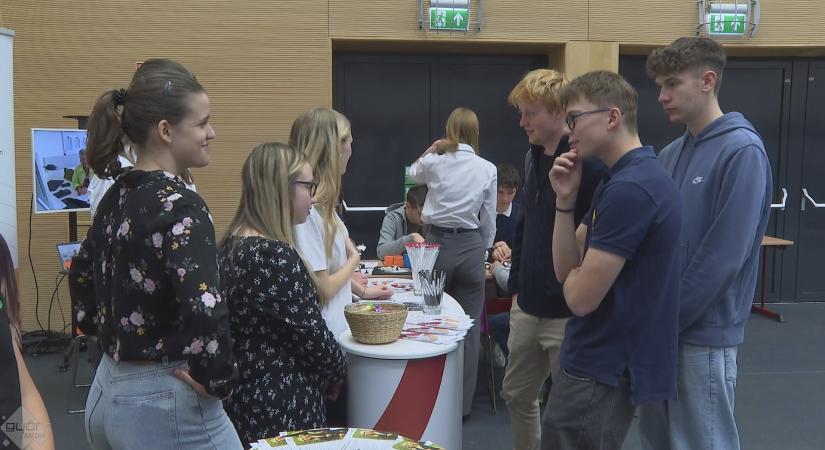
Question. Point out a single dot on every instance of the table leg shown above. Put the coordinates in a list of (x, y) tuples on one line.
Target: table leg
[(761, 309)]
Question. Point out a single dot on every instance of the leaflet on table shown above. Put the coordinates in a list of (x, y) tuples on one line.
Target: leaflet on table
[(398, 285), (371, 440), (408, 444), (440, 330), (462, 323), (342, 439), (379, 440), (430, 338), (318, 439), (434, 330)]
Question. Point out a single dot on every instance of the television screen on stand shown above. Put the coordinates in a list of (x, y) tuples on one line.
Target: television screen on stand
[(61, 175)]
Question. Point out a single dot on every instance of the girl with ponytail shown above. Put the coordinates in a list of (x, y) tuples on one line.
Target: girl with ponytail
[(146, 280)]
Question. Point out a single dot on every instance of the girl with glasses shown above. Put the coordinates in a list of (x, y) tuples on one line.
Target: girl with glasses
[(286, 354)]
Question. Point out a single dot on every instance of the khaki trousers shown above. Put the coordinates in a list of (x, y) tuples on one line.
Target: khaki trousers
[(534, 345)]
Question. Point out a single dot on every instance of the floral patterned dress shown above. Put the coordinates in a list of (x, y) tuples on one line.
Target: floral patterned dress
[(286, 354), (146, 279)]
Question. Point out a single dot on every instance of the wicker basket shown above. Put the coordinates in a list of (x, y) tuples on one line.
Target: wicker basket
[(370, 327)]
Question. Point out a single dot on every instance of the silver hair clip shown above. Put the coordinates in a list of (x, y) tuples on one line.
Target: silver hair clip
[(167, 88)]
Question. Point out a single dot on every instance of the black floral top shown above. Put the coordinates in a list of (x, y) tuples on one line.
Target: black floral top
[(286, 353), (147, 280)]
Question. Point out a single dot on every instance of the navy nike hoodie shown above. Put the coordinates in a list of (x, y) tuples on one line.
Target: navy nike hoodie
[(725, 180)]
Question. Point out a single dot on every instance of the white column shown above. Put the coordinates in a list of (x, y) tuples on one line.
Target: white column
[(8, 191)]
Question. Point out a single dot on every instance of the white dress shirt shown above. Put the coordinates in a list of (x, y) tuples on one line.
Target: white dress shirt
[(462, 191)]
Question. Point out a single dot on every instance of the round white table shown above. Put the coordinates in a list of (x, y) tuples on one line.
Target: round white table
[(408, 387)]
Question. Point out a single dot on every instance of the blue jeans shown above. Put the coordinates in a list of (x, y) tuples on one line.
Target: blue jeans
[(143, 405), (702, 417), (583, 414)]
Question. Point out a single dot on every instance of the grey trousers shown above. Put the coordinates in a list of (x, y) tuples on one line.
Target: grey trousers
[(583, 414), (461, 257)]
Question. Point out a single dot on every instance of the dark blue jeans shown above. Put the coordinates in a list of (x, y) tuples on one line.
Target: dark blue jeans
[(500, 329), (583, 414)]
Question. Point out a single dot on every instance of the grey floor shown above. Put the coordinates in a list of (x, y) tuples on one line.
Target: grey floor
[(780, 396)]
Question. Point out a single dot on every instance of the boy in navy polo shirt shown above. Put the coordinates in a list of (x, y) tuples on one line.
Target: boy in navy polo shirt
[(620, 271)]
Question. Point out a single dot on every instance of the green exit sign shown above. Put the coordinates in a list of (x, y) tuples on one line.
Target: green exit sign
[(727, 24), (456, 19)]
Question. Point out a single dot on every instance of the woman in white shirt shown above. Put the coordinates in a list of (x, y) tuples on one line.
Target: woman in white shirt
[(324, 136), (460, 214)]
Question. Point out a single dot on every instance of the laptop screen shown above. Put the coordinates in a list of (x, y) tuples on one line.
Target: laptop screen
[(67, 250)]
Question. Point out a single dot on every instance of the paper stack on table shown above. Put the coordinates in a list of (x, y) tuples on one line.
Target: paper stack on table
[(341, 439), (320, 439), (442, 329)]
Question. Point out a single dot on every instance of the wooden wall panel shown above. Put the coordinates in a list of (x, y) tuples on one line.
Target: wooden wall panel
[(262, 62), (656, 22), (265, 62), (503, 20)]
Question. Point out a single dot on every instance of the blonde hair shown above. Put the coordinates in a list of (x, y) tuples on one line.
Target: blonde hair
[(542, 85), (266, 187), (319, 134), (462, 128), (186, 176), (266, 197)]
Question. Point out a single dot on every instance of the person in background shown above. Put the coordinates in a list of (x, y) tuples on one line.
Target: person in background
[(499, 324), (724, 175), (286, 354), (18, 389), (402, 223), (147, 281), (507, 210), (80, 178), (620, 270), (459, 214), (500, 255), (539, 313)]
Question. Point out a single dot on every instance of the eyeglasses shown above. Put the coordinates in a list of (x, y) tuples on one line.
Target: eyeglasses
[(313, 186), (571, 118)]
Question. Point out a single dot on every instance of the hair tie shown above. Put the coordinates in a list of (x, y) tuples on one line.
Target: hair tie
[(119, 97)]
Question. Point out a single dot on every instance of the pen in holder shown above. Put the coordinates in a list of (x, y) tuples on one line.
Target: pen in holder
[(422, 256), (433, 287)]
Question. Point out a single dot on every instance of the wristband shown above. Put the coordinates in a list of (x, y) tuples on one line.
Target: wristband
[(573, 209)]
